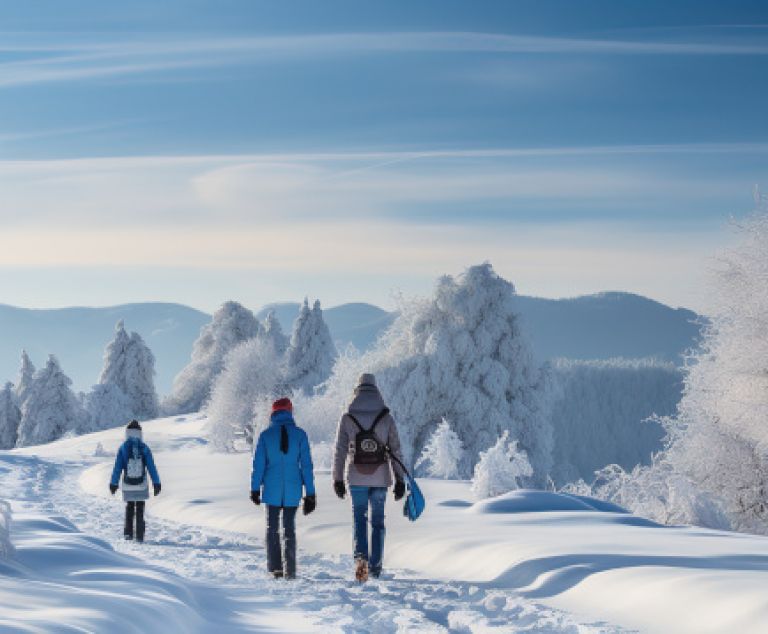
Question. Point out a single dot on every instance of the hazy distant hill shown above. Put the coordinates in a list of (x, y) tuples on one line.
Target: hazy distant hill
[(608, 325), (589, 327), (78, 336)]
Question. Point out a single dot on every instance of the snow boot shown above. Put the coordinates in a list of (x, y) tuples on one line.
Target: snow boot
[(277, 574), (361, 570)]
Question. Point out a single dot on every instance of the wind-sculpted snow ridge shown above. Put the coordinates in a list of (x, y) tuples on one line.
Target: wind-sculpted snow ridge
[(526, 501)]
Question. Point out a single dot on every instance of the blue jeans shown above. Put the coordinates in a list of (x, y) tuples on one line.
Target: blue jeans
[(361, 498)]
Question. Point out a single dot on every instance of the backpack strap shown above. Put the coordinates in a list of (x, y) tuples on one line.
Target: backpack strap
[(356, 422), (379, 416)]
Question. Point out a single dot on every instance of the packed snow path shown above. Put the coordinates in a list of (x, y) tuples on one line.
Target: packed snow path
[(324, 598)]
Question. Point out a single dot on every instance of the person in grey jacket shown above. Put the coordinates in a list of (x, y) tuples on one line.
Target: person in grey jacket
[(369, 477)]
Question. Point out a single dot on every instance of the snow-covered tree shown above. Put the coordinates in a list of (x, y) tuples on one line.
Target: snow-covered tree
[(716, 454), (443, 455), (232, 324), (50, 409), (129, 366), (140, 379), (10, 417), (311, 354), (107, 406), (460, 355), (273, 332), (503, 467), (251, 376), (26, 376)]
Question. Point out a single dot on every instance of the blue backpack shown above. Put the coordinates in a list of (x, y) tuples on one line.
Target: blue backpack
[(414, 501)]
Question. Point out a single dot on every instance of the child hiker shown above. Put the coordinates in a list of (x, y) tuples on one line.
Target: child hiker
[(133, 461), (282, 465)]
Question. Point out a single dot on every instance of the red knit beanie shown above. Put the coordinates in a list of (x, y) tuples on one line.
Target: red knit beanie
[(282, 404)]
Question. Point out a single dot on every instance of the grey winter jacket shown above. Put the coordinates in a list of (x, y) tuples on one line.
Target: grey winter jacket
[(366, 405)]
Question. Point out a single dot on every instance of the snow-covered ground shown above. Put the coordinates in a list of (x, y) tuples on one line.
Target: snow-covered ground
[(528, 562)]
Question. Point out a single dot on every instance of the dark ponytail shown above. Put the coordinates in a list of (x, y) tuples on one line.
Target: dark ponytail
[(283, 439)]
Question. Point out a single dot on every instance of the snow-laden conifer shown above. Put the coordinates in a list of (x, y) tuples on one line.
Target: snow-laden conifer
[(26, 376), (107, 406), (502, 468), (273, 331), (311, 354), (232, 324), (462, 355), (10, 417), (251, 375), (443, 455), (50, 408), (129, 370)]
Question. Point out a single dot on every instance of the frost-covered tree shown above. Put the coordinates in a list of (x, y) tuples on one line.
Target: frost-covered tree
[(107, 406), (273, 331), (460, 355), (50, 409), (443, 455), (26, 376), (502, 468), (10, 417), (311, 354), (716, 454), (140, 379), (129, 366), (251, 375), (232, 324)]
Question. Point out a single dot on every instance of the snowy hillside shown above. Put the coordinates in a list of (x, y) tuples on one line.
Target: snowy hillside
[(526, 562)]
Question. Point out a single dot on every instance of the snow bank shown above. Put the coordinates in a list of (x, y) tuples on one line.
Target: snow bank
[(61, 580), (598, 563), (527, 501)]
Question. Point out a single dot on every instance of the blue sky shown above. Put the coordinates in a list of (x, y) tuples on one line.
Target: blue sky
[(201, 151)]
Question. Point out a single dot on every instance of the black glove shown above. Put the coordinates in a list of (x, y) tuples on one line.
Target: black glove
[(157, 487), (310, 502), (340, 489), (399, 489), (256, 497), (112, 488)]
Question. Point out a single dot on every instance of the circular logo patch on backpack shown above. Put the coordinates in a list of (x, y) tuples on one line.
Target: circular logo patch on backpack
[(369, 445)]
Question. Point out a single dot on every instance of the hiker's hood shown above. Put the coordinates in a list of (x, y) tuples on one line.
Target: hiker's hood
[(366, 399), (282, 417)]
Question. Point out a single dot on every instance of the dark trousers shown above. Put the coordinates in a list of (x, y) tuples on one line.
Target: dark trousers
[(134, 509), (274, 555)]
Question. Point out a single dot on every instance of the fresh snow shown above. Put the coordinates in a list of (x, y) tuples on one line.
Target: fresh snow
[(524, 562)]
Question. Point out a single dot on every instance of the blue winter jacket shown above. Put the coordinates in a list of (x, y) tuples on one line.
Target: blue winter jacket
[(121, 461), (282, 474)]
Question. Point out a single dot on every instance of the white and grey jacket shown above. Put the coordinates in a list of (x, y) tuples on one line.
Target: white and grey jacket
[(366, 405)]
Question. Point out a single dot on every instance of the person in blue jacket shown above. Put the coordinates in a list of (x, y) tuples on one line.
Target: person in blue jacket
[(282, 465), (133, 461)]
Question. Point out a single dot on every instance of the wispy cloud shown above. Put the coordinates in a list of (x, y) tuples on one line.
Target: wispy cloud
[(50, 58)]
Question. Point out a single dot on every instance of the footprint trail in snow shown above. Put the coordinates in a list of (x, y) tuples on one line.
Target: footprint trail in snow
[(325, 591)]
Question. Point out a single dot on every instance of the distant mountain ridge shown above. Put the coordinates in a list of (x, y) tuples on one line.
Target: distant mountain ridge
[(601, 326)]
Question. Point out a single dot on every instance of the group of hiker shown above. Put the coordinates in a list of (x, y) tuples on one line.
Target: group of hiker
[(367, 452)]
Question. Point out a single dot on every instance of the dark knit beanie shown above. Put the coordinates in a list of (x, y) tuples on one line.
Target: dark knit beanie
[(134, 424)]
